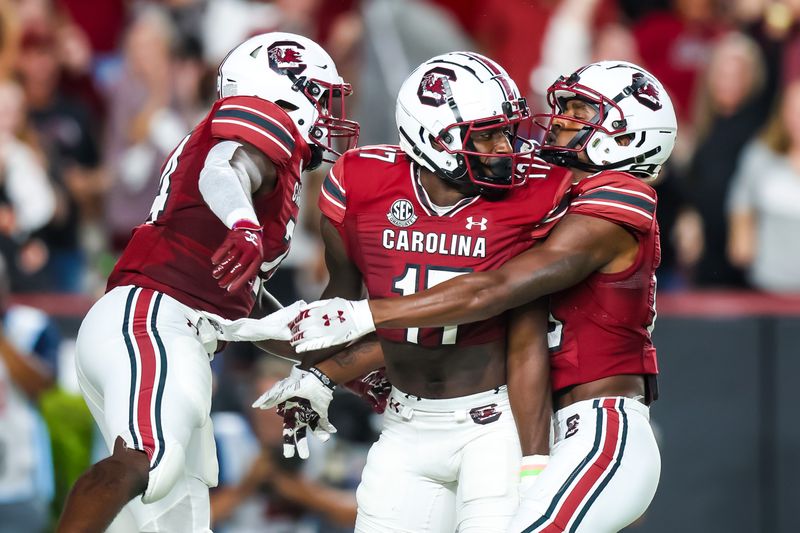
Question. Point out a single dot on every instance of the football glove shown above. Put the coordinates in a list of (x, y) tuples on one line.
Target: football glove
[(331, 322), (239, 257), (302, 399), (374, 388)]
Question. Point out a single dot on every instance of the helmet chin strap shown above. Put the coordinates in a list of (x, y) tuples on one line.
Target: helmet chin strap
[(317, 153), (569, 159)]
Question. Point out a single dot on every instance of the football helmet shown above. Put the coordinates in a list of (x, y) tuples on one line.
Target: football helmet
[(633, 128), (448, 98), (297, 74)]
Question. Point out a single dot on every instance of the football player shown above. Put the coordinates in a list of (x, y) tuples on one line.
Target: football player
[(221, 222), (461, 193), (613, 124)]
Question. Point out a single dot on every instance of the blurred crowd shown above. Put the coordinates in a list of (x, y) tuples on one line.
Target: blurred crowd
[(94, 94)]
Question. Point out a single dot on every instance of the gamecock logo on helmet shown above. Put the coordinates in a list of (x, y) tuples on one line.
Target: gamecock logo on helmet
[(647, 93), (286, 56), (432, 89)]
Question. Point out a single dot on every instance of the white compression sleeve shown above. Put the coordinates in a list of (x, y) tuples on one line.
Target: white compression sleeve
[(227, 185)]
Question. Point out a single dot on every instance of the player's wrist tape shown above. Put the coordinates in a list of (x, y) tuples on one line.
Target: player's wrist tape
[(533, 465), (245, 224), (320, 375), (362, 315)]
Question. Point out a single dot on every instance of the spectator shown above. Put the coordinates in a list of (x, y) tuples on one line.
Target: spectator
[(675, 45), (26, 189), (63, 128), (572, 40), (144, 127), (733, 104), (28, 348), (27, 200), (764, 199)]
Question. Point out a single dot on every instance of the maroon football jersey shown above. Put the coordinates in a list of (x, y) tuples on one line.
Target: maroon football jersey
[(400, 244), (171, 252), (601, 326)]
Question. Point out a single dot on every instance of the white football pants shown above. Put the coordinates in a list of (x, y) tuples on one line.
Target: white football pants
[(603, 471), (146, 377), (442, 466)]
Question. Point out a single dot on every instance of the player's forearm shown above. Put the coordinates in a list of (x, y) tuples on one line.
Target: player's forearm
[(528, 369), (482, 295), (464, 299), (354, 361), (532, 410)]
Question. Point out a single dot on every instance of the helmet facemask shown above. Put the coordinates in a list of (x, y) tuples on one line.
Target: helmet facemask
[(332, 133), (484, 172)]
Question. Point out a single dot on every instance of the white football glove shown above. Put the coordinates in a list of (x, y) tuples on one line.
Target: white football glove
[(531, 467), (302, 399), (274, 326), (330, 322)]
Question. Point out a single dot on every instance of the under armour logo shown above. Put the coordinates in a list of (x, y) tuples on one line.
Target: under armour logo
[(394, 404), (471, 223), (251, 238), (339, 317)]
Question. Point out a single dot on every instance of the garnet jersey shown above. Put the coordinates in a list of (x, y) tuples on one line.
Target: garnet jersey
[(400, 244), (601, 326), (171, 252)]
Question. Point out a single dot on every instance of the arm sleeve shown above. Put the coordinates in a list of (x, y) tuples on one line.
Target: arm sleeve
[(617, 197), (227, 186), (743, 185), (333, 196), (258, 122)]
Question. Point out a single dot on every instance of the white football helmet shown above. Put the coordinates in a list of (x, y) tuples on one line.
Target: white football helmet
[(445, 100), (297, 74), (629, 101)]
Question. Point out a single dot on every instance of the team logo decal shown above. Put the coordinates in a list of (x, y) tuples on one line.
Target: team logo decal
[(647, 92), (286, 56), (572, 425), (401, 214), (485, 414), (433, 90)]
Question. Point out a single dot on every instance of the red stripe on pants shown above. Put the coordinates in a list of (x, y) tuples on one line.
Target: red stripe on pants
[(147, 370), (581, 489)]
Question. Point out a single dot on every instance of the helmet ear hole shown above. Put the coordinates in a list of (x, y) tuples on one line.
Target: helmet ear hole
[(624, 140), (288, 106), (436, 146)]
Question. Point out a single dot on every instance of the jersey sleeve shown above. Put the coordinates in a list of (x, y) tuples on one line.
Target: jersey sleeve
[(560, 179), (333, 195), (257, 122), (617, 197)]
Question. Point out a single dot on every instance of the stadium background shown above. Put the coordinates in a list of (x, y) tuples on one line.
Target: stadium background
[(95, 93)]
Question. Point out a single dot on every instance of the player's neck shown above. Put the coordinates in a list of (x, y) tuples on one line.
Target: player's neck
[(578, 175), (439, 191)]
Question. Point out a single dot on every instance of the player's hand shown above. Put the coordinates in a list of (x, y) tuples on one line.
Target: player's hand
[(374, 388), (302, 399), (298, 418), (530, 469), (330, 322), (239, 257), (274, 326)]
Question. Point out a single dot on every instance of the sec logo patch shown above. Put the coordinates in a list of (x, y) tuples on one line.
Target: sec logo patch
[(401, 214)]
